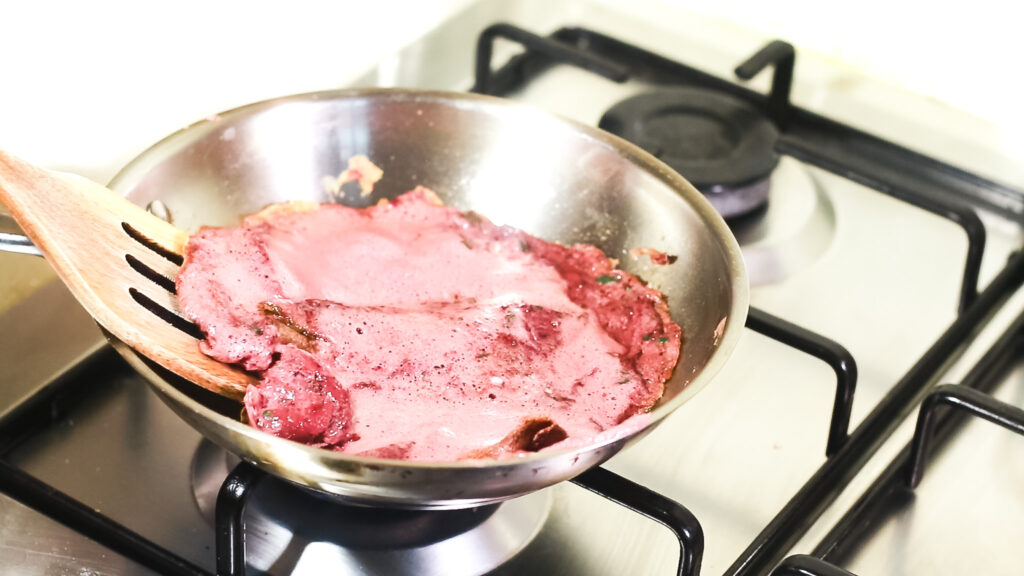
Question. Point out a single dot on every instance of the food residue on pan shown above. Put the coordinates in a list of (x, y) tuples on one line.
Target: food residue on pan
[(656, 256), (360, 170)]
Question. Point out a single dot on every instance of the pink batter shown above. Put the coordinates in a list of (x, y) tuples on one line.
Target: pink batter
[(411, 330)]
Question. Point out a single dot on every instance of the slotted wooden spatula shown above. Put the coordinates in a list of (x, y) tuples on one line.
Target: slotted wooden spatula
[(119, 261)]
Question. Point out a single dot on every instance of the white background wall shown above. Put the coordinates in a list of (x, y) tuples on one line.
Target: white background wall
[(84, 86)]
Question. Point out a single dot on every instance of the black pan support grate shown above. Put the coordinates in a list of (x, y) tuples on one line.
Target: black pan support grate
[(52, 404), (904, 473), (243, 479), (804, 565), (845, 151), (934, 430), (240, 484), (921, 181), (880, 165)]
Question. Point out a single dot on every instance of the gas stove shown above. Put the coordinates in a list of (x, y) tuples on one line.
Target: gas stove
[(885, 262)]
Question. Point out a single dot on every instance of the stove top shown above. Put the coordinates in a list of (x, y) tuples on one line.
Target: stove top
[(878, 273)]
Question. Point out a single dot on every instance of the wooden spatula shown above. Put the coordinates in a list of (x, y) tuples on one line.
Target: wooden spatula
[(119, 261)]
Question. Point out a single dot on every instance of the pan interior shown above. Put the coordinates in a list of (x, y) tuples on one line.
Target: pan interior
[(517, 166)]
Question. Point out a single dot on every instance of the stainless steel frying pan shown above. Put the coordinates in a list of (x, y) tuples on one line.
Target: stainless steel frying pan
[(553, 178)]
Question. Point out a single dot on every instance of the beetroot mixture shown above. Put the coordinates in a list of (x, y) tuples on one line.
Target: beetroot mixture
[(412, 330)]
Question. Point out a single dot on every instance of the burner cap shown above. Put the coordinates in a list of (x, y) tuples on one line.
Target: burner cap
[(713, 139)]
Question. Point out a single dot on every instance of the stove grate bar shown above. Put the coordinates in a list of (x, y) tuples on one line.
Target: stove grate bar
[(489, 82), (899, 169), (653, 505), (782, 56), (830, 352), (829, 480), (237, 487), (909, 175), (891, 488), (804, 565), (229, 524), (971, 402), (912, 170), (837, 160), (85, 520)]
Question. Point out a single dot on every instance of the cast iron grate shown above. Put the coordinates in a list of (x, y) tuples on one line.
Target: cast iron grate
[(229, 528), (845, 151)]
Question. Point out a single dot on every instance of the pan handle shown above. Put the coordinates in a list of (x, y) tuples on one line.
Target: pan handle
[(12, 240)]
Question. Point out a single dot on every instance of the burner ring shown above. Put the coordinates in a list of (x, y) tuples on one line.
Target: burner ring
[(716, 141)]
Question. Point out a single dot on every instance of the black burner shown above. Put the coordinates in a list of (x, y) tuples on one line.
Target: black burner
[(721, 144)]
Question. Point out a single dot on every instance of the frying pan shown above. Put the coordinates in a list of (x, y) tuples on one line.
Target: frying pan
[(559, 180)]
